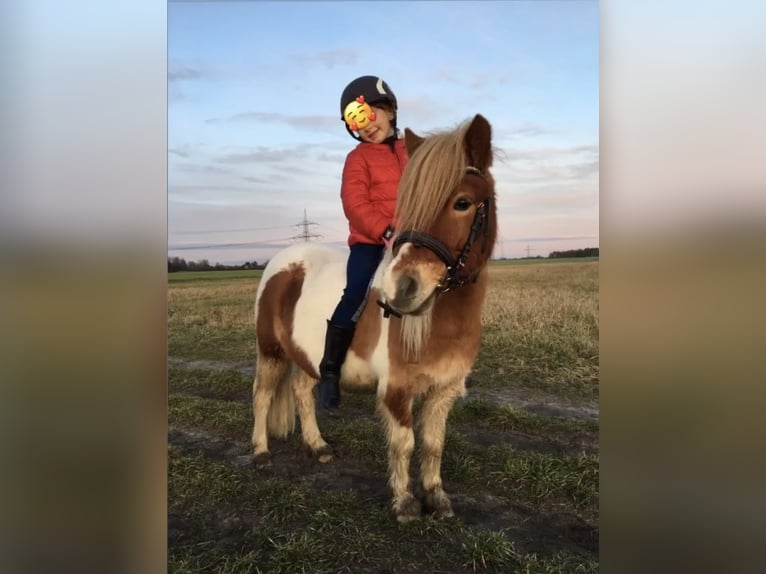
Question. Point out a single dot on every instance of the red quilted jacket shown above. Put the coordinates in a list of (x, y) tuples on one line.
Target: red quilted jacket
[(370, 183)]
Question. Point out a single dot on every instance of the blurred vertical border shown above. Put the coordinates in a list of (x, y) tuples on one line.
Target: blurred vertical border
[(683, 230), (83, 286)]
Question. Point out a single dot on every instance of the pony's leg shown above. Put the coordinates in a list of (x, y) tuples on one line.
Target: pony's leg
[(269, 373), (303, 386), (396, 410), (431, 430)]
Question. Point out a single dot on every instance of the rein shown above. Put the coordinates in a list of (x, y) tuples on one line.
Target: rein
[(453, 277)]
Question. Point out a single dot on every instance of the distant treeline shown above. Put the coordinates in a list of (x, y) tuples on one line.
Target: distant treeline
[(180, 264), (587, 252)]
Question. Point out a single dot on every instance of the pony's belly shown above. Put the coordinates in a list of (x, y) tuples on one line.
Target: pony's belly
[(358, 375)]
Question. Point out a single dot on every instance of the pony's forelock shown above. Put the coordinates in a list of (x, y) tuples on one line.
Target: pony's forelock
[(435, 169)]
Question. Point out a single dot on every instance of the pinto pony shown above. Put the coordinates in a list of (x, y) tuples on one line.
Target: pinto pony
[(422, 336)]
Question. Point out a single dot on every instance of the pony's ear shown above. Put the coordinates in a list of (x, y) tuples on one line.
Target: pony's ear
[(478, 143), (412, 141)]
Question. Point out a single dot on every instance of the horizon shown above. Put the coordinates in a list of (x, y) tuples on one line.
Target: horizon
[(494, 257)]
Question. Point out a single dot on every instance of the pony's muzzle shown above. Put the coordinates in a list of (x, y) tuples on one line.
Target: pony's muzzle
[(406, 290), (408, 296), (407, 287), (410, 280)]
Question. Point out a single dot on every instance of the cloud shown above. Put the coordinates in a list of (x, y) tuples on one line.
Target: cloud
[(175, 94), (553, 165), (552, 238), (342, 56), (190, 216), (575, 171), (447, 75), (256, 179), (336, 158), (583, 170), (421, 113), (329, 58), (481, 81), (226, 196), (188, 192), (549, 153), (181, 151), (310, 122), (555, 198), (523, 130), (264, 154), (243, 245), (201, 169), (178, 72)]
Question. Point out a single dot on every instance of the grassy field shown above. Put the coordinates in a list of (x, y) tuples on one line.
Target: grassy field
[(520, 460), (182, 276)]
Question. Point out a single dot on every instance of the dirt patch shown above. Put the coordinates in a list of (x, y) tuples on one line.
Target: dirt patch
[(534, 403), (246, 368), (518, 440)]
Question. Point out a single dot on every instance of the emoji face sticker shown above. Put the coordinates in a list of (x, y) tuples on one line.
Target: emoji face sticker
[(358, 114)]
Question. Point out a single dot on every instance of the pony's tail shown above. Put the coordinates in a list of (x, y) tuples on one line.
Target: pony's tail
[(272, 384), (281, 418)]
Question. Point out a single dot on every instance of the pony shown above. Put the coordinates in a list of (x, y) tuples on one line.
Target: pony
[(420, 339)]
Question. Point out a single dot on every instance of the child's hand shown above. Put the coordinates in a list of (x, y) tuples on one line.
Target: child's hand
[(388, 236)]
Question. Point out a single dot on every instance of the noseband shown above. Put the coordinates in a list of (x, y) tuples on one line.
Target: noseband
[(454, 276)]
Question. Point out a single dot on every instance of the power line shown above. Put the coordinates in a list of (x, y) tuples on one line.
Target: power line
[(239, 230), (305, 235)]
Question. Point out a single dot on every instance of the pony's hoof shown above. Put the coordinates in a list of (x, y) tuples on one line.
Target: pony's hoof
[(408, 510), (437, 501), (262, 459), (324, 454)]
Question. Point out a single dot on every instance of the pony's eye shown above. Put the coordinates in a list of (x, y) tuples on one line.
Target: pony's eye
[(462, 204)]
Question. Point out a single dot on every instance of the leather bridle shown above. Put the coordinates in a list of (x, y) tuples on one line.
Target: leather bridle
[(454, 275)]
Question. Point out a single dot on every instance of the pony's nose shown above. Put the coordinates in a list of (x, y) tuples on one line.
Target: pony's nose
[(407, 288)]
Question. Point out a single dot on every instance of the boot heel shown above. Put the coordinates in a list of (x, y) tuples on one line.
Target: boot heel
[(329, 392), (337, 341)]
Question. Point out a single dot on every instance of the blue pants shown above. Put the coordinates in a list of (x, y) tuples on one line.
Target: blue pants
[(362, 263)]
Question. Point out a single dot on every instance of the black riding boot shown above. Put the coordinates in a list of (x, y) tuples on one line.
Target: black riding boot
[(337, 342)]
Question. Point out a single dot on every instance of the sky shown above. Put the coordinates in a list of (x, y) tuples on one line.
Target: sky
[(256, 145)]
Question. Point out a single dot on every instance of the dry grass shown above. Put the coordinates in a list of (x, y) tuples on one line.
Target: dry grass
[(212, 305), (540, 326), (534, 297), (541, 329)]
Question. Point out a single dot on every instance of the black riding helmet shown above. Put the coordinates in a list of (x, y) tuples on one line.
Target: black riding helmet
[(374, 90)]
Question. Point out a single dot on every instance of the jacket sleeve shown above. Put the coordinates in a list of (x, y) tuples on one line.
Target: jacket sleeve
[(355, 195)]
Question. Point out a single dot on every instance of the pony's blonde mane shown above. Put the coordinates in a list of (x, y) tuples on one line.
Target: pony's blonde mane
[(415, 331), (433, 171)]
